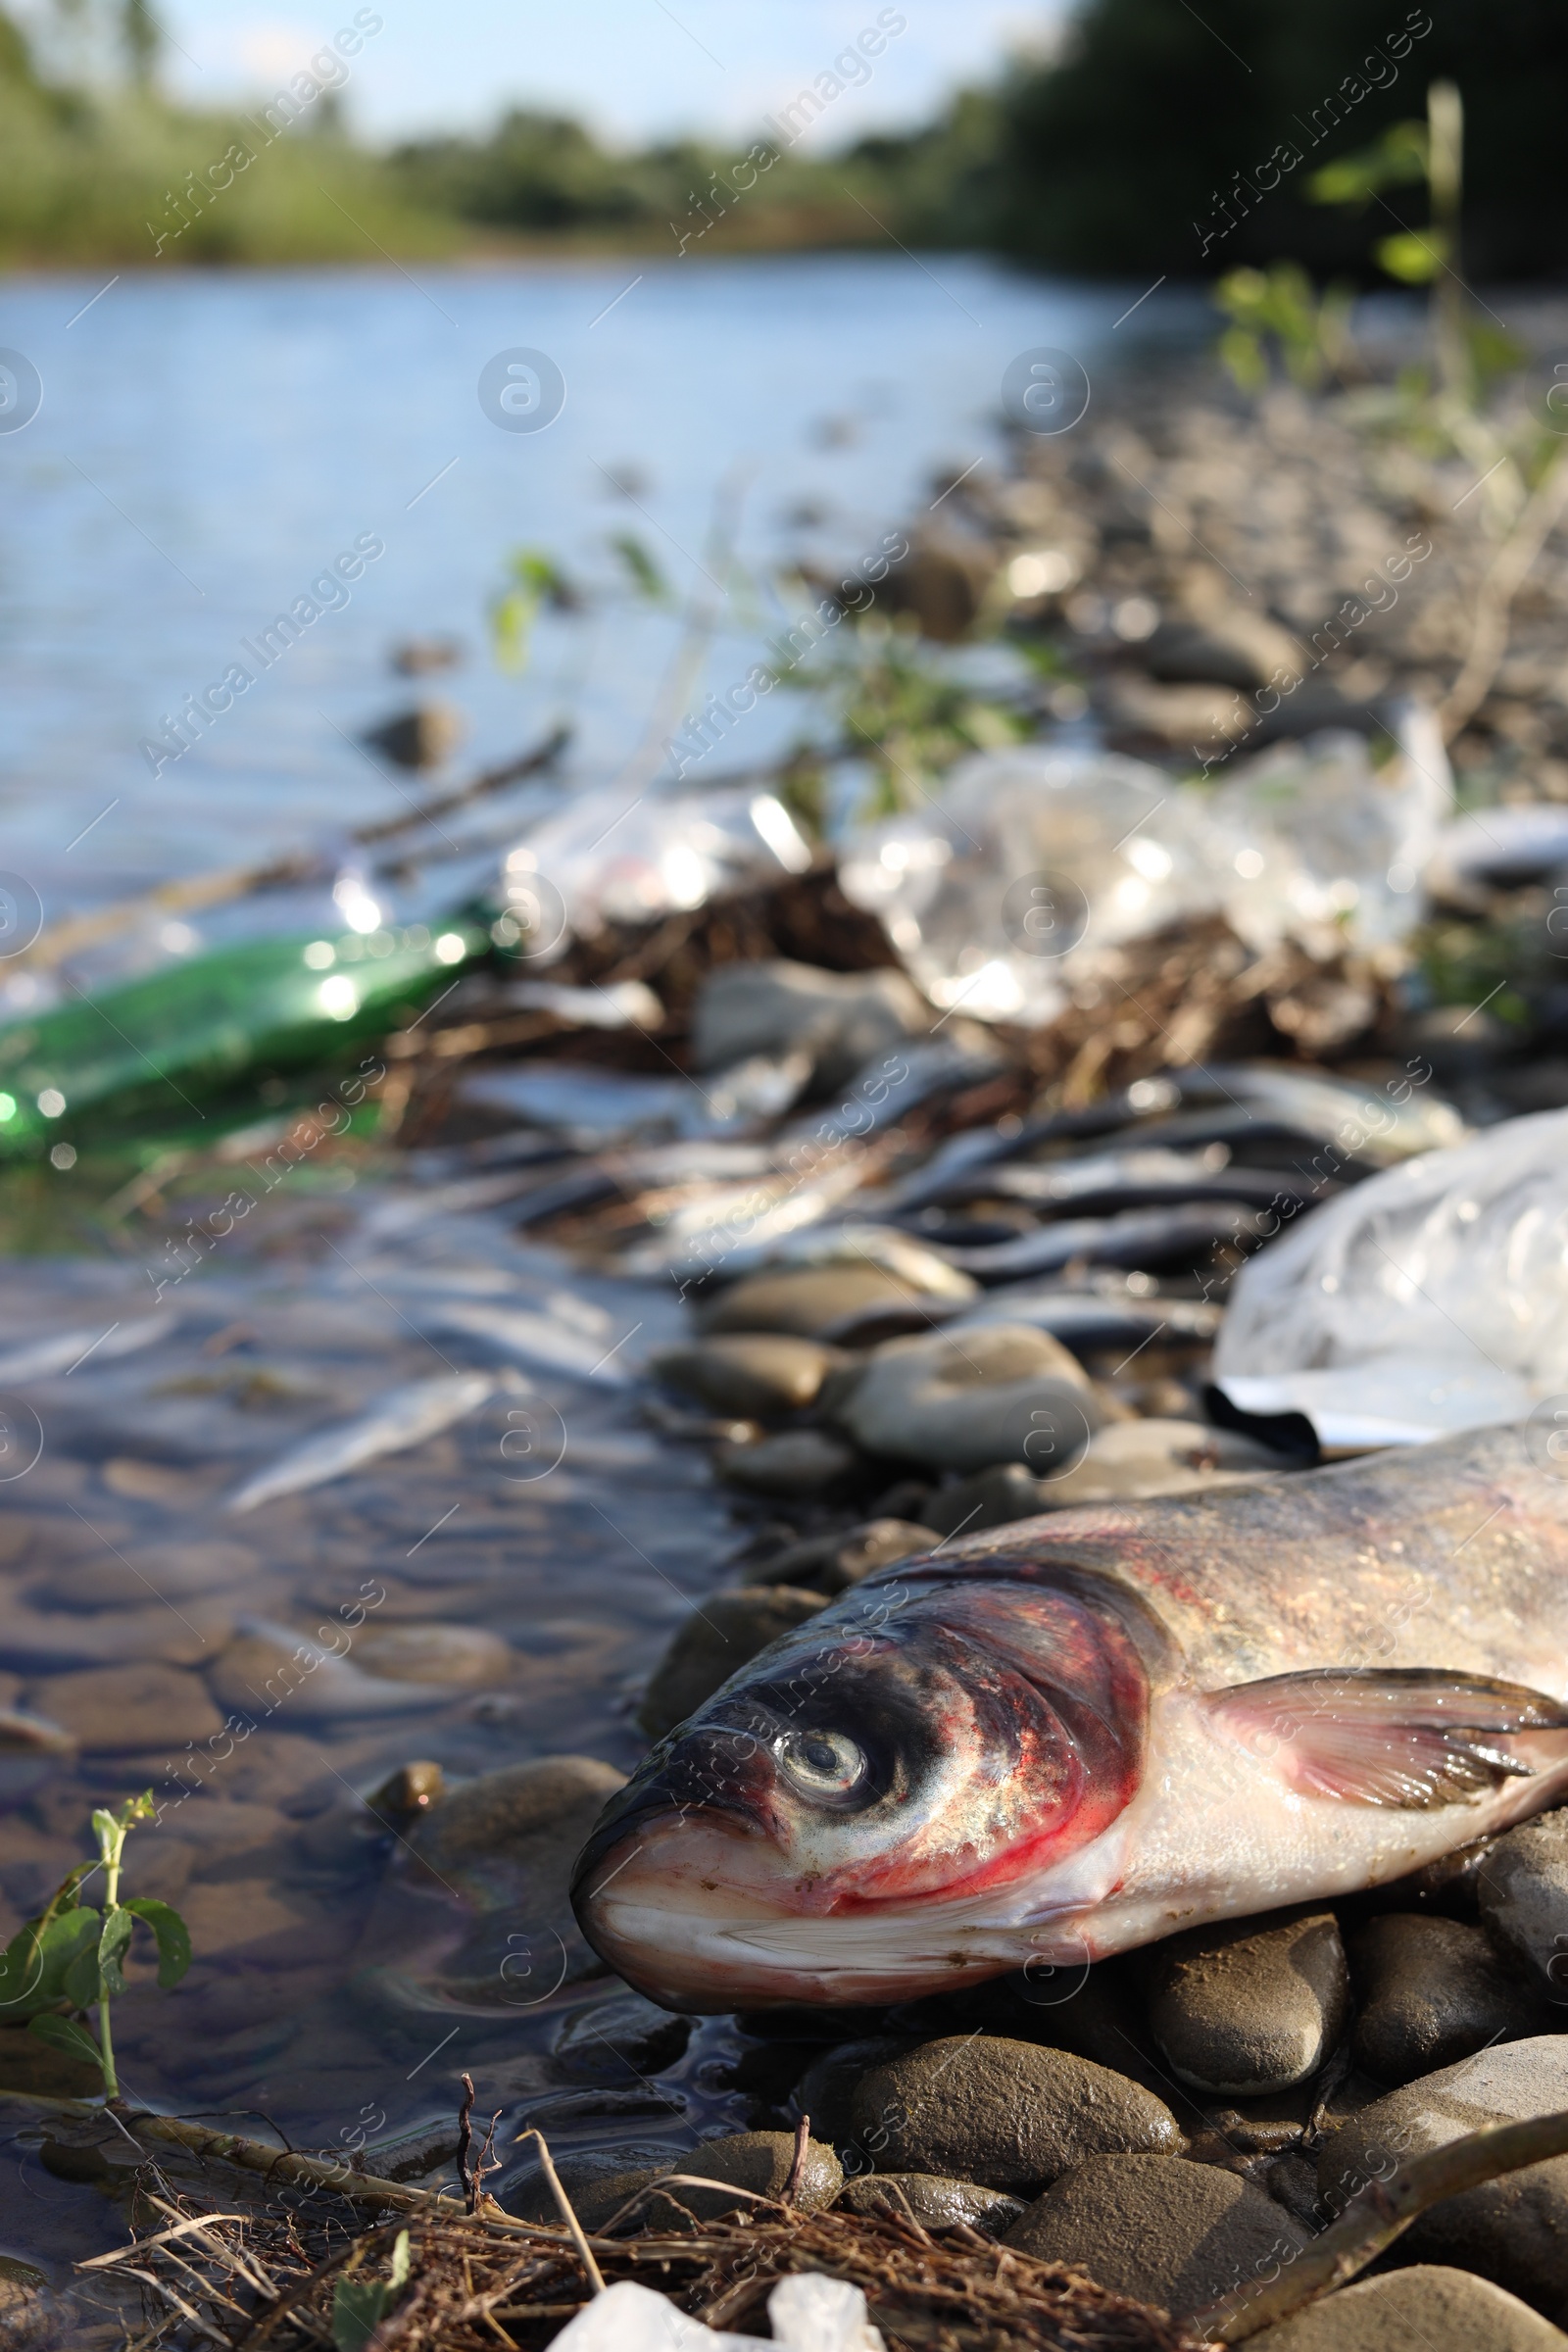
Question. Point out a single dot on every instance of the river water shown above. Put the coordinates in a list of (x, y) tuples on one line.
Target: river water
[(206, 447)]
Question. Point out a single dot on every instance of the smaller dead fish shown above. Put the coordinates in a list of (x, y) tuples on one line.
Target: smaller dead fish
[(878, 1095), (267, 1669), (1091, 1321), (707, 1234), (534, 1340), (62, 1351), (1109, 1182), (1493, 850), (1141, 1238), (402, 1418), (30, 1746)]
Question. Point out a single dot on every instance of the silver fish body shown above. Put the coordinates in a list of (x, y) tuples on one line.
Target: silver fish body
[(1077, 1734)]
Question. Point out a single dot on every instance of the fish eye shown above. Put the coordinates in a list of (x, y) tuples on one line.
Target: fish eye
[(821, 1764)]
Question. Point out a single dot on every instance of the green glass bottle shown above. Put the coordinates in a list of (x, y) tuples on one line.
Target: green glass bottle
[(155, 1048)]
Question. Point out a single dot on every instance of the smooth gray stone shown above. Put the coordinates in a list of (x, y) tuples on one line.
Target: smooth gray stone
[(1428, 2308), (1522, 1887), (1161, 2229), (1004, 1393), (1250, 2006), (1513, 2230), (714, 1642), (1004, 2113), (1431, 1992)]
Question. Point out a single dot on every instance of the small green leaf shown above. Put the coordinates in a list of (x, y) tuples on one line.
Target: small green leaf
[(117, 1925), (36, 1961), (174, 1937), (359, 2305), (79, 1983), (1413, 257), (71, 2040), (646, 577)]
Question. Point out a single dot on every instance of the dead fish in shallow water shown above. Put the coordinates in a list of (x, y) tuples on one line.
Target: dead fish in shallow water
[(402, 1418), (30, 1746), (1078, 1733)]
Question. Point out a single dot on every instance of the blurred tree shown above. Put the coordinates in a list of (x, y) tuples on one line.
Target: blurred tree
[(141, 40), (1160, 139)]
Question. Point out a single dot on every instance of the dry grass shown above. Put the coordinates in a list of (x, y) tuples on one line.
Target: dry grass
[(233, 2274)]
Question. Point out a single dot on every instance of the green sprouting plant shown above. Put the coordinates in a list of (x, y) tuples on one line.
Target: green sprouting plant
[(359, 2305), (68, 1960), (1276, 312), (902, 711)]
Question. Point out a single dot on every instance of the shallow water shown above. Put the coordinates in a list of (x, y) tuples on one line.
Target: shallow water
[(325, 1992), (208, 444)]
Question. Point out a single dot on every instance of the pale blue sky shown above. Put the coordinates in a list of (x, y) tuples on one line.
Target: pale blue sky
[(634, 67)]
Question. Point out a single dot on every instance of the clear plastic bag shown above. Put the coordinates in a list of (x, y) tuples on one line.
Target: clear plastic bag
[(1007, 884), (1026, 861), (1432, 1298), (604, 859), (1318, 841)]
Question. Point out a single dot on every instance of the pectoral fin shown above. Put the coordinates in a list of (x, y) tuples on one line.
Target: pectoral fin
[(1410, 1737)]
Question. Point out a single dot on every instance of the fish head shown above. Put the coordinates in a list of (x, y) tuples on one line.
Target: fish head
[(854, 1813)]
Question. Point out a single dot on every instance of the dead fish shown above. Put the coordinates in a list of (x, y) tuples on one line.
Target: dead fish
[(1090, 1321), (1493, 850), (267, 1669), (30, 1746), (894, 1083), (402, 1418), (1107, 1181), (62, 1351), (1076, 1733), (546, 1344), (1140, 1237), (707, 1234)]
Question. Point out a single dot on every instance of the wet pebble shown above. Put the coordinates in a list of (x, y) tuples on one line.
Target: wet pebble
[(1428, 2308), (935, 2202), (1512, 2230), (1522, 1888), (1001, 1392), (826, 2089), (47, 1639), (119, 1710), (803, 1465), (461, 1654), (615, 2038), (993, 1497), (831, 1564), (811, 1301), (1006, 2113), (750, 1373), (270, 1671), (1169, 2233), (714, 1642), (1431, 1992), (1242, 2008), (407, 1793), (597, 2181), (1131, 1459), (111, 1580)]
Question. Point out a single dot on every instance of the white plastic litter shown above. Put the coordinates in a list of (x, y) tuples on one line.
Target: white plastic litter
[(609, 857), (991, 890), (1008, 885), (807, 2313), (1315, 841), (1433, 1298)]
